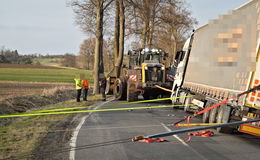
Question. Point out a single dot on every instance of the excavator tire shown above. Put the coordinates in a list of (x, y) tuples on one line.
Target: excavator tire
[(107, 91), (120, 89), (132, 94)]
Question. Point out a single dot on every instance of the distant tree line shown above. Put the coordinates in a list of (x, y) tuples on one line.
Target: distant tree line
[(12, 56)]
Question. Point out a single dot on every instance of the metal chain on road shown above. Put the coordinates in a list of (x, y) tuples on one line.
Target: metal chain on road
[(89, 146)]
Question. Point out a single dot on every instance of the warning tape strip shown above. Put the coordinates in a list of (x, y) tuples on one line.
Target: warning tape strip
[(85, 111), (197, 124), (75, 108), (152, 100)]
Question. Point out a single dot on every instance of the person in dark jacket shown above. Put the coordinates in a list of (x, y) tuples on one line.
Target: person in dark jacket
[(102, 84)]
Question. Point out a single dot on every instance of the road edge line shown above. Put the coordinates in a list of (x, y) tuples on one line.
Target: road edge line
[(73, 139)]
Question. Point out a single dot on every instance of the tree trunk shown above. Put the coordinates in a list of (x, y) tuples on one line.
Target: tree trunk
[(144, 34), (88, 62), (121, 34), (150, 40), (116, 39), (151, 32), (98, 61), (174, 47), (119, 58)]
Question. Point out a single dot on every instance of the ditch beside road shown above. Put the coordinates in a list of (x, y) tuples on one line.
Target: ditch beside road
[(24, 136)]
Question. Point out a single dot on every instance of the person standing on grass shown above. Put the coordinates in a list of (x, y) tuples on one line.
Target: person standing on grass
[(78, 88), (85, 89)]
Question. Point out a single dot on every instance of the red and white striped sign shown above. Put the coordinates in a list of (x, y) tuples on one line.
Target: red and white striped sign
[(133, 77)]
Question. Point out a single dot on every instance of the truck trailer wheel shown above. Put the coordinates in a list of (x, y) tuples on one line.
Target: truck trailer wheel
[(119, 89), (132, 94), (205, 118), (223, 117), (213, 115), (187, 101), (182, 100)]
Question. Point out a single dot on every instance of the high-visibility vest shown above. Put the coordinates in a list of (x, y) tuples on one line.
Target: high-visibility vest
[(84, 84), (78, 83)]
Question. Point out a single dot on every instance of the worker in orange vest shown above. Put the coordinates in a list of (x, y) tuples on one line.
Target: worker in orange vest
[(85, 89)]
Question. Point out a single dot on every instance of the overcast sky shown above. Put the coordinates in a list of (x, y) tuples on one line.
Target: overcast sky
[(47, 26)]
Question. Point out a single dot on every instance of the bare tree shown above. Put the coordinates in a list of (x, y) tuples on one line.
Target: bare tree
[(143, 19), (119, 36), (86, 52), (159, 23), (108, 55), (175, 23), (88, 13)]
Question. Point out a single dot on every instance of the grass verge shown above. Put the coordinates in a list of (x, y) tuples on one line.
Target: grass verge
[(25, 134)]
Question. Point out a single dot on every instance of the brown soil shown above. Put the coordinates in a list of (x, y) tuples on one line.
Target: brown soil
[(4, 65), (14, 89)]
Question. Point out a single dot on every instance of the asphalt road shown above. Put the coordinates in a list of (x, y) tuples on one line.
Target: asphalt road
[(103, 136)]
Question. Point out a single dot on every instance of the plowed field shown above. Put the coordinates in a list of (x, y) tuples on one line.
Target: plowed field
[(8, 88)]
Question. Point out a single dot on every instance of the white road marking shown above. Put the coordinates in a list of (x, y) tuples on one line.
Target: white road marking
[(127, 127), (73, 139), (184, 143)]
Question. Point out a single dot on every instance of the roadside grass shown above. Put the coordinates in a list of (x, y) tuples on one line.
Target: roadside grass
[(25, 134), (43, 75)]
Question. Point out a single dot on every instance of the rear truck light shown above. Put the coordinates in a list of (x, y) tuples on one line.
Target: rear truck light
[(250, 128)]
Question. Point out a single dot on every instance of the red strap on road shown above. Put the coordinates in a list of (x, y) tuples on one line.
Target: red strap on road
[(152, 140), (206, 133)]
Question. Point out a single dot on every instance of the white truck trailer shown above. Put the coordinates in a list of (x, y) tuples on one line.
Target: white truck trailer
[(219, 61)]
